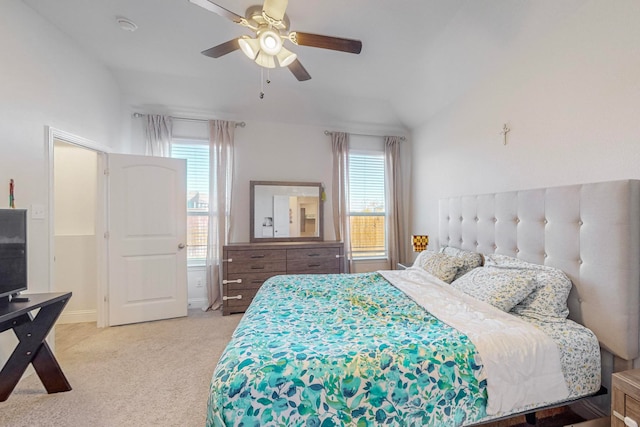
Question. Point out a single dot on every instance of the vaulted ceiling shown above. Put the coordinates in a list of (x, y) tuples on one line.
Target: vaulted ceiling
[(418, 56)]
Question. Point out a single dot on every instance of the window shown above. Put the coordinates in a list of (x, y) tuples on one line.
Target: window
[(367, 204), (197, 155)]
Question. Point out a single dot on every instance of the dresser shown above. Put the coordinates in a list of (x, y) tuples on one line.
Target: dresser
[(625, 398), (246, 266)]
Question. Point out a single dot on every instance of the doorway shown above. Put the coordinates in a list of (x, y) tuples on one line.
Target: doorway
[(140, 196), (75, 189), (76, 224)]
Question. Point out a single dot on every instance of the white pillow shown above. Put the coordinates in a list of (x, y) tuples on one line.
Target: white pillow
[(469, 259), (548, 301), (444, 267), (502, 288)]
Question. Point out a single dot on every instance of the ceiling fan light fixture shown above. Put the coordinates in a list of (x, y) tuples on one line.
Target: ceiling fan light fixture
[(266, 60), (250, 47), (286, 57), (270, 42)]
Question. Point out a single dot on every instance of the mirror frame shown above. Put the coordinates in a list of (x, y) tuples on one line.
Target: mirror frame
[(254, 239)]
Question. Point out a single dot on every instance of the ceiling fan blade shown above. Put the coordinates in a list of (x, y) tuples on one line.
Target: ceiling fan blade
[(212, 7), (275, 9), (299, 71), (222, 49), (326, 42)]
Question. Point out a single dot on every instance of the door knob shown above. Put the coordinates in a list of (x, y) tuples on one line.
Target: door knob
[(181, 246)]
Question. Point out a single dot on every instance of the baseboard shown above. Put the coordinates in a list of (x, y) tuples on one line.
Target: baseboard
[(197, 302), (78, 316)]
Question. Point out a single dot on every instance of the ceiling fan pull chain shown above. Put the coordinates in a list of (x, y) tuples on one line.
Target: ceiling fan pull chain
[(261, 83), (268, 79)]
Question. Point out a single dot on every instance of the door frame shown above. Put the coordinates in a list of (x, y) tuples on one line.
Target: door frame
[(101, 220)]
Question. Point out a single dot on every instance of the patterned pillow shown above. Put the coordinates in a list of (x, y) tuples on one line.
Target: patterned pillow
[(549, 301), (502, 288), (469, 259), (444, 267)]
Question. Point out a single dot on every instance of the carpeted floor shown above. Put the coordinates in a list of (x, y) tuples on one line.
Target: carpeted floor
[(147, 374)]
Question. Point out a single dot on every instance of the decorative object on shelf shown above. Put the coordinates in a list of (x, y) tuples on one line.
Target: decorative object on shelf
[(12, 200), (419, 242)]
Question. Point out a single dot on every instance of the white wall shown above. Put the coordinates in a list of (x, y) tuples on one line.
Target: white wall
[(45, 80), (572, 101)]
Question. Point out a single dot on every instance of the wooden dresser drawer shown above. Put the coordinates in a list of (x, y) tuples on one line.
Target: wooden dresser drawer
[(632, 408), (248, 280), (312, 254), (248, 266), (256, 255), (313, 266), (245, 294), (625, 397), (256, 266)]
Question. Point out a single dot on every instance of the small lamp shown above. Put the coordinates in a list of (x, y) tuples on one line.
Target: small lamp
[(419, 242)]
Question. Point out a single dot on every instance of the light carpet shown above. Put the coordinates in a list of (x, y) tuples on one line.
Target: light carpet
[(146, 374)]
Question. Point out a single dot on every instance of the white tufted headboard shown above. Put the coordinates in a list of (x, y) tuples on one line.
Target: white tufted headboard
[(590, 231)]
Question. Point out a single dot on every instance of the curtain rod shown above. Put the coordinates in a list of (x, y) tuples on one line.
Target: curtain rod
[(327, 132), (189, 119)]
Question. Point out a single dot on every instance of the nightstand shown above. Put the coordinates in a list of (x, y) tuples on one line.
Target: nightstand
[(625, 398)]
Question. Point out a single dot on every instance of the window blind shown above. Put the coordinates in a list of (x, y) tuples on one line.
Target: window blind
[(196, 154), (367, 204)]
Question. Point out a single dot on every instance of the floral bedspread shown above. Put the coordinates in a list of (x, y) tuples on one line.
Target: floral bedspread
[(350, 349)]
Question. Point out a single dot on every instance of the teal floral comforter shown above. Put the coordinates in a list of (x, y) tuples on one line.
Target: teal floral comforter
[(350, 349)]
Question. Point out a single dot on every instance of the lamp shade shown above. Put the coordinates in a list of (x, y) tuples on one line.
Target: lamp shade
[(249, 46), (419, 242), (285, 57), (265, 60)]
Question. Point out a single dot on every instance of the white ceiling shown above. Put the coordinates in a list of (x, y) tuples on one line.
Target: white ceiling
[(418, 56)]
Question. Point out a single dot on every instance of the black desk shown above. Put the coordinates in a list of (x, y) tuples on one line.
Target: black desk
[(32, 348)]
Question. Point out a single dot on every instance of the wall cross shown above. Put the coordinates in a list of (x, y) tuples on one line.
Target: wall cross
[(505, 131)]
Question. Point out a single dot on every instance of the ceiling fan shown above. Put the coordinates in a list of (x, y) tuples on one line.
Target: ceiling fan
[(271, 27)]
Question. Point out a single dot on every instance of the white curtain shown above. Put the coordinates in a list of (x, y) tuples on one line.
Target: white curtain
[(221, 134), (340, 193), (157, 135), (396, 239)]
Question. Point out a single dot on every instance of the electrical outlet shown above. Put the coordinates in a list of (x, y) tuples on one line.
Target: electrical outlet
[(199, 283)]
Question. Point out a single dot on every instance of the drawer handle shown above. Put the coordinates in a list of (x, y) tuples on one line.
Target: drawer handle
[(257, 267), (257, 281), (224, 282), (313, 254), (313, 265), (627, 421), (257, 256), (339, 256), (224, 298), (228, 260)]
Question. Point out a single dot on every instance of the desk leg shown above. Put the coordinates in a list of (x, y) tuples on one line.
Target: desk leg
[(32, 348)]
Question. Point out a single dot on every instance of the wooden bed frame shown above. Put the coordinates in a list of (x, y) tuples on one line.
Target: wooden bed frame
[(590, 231)]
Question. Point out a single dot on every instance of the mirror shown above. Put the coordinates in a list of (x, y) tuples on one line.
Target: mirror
[(285, 211)]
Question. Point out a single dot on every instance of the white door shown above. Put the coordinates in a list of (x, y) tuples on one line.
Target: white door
[(147, 238), (280, 216)]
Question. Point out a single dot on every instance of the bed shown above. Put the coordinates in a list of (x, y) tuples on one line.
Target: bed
[(407, 348)]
